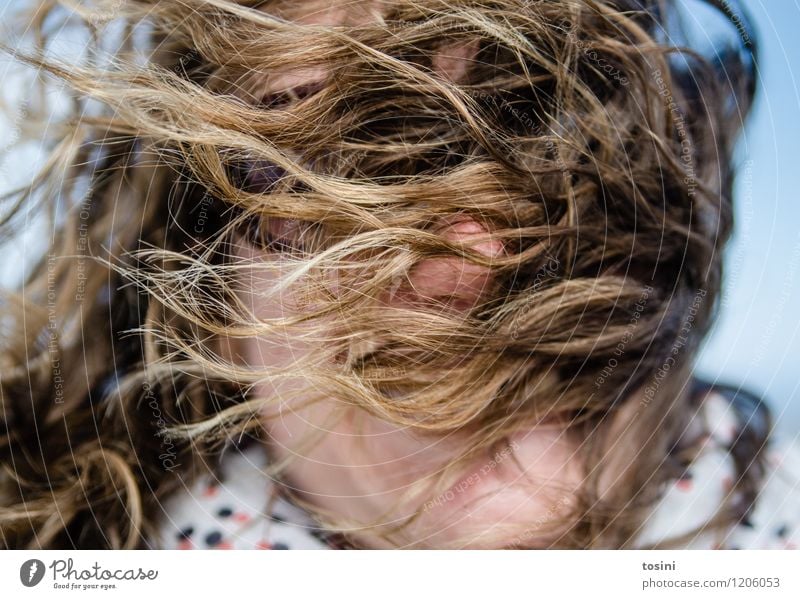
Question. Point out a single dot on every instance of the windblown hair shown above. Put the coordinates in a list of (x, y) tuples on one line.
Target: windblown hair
[(583, 135)]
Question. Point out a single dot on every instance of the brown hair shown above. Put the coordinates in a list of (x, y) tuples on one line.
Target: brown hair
[(595, 150)]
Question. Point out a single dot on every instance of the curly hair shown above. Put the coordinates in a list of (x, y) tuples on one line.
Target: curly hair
[(579, 133)]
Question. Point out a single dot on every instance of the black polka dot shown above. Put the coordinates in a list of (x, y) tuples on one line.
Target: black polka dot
[(277, 518), (213, 538), (225, 512), (185, 533), (280, 546), (782, 532), (746, 522)]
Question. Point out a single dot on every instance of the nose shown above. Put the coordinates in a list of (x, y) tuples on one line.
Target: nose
[(454, 282)]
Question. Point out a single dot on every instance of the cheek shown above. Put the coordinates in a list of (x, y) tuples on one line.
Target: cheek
[(282, 347), (453, 61)]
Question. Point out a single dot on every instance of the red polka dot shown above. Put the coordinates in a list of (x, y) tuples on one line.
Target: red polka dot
[(223, 546), (684, 484), (241, 517), (263, 545), (185, 544), (211, 491)]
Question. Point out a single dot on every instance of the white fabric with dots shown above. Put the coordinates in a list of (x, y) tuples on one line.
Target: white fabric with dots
[(690, 501), (237, 511)]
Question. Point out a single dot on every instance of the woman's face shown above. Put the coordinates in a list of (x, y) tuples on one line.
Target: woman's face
[(363, 469)]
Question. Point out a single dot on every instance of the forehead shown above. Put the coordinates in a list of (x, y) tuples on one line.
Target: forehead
[(451, 60), (326, 12)]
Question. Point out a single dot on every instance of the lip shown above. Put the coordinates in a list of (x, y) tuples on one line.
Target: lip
[(275, 233)]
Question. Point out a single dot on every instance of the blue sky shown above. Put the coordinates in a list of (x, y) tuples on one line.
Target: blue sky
[(756, 342)]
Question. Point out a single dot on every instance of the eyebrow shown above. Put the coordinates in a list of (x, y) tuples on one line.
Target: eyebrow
[(289, 95)]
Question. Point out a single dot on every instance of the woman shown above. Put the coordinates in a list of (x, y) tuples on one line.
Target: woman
[(399, 274)]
